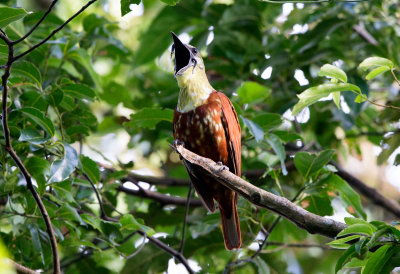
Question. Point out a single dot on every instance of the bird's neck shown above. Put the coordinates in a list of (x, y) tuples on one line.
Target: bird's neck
[(194, 89)]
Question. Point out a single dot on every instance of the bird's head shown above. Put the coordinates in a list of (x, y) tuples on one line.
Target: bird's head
[(188, 62)]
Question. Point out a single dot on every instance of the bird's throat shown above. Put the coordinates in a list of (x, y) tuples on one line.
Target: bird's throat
[(194, 90)]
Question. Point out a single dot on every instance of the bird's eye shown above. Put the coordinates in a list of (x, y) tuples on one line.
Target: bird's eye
[(194, 51)]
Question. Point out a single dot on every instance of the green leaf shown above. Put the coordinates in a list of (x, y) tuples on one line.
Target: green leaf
[(319, 204), (82, 57), (38, 117), (150, 117), (360, 98), (170, 2), (8, 15), (91, 168), (61, 169), (28, 71), (261, 265), (345, 257), (93, 221), (268, 120), (249, 92), (63, 191), (254, 129), (376, 71), (125, 5), (377, 261), (67, 211), (363, 229), (38, 168), (308, 164), (79, 91), (286, 136), (336, 99), (130, 223), (32, 136), (333, 72), (342, 242), (375, 61), (349, 197), (278, 148), (156, 39), (313, 94), (34, 230)]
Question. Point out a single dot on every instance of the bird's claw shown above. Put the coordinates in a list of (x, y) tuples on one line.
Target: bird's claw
[(178, 143), (223, 167)]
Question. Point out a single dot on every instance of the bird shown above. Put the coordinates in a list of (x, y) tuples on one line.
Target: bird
[(206, 122)]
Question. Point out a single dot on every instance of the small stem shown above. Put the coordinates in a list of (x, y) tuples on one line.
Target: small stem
[(180, 250), (395, 78), (384, 106)]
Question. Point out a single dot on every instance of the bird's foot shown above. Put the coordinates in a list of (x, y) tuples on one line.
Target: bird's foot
[(223, 167), (178, 143)]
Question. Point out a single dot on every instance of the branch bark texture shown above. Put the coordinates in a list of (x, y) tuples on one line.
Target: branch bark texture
[(310, 222)]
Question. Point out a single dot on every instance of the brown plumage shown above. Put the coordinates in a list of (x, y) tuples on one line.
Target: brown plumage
[(207, 123)]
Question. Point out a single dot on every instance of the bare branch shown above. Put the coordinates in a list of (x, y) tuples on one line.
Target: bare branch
[(163, 199), (54, 31), (134, 177), (180, 250), (36, 25), (297, 215), (371, 193), (169, 250), (22, 269)]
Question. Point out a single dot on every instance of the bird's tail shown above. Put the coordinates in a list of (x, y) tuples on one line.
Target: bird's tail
[(230, 224)]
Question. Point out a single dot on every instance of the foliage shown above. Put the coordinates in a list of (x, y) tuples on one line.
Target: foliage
[(95, 102)]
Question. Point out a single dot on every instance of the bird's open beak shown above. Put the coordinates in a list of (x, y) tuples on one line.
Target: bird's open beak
[(182, 55)]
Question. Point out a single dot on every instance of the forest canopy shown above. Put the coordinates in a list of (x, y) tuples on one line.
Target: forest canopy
[(91, 183)]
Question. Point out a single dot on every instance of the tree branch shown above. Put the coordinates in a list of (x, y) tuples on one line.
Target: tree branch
[(17, 160), (22, 269), (169, 250), (371, 193), (297, 215), (54, 31), (36, 25), (162, 198)]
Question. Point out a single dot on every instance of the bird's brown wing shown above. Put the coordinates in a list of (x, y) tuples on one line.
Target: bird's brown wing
[(228, 204), (231, 126)]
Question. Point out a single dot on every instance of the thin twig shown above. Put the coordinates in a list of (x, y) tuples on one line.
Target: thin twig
[(299, 245), (381, 105), (169, 250), (161, 198), (36, 25), (22, 269), (54, 31), (394, 76), (103, 214), (13, 154), (180, 250)]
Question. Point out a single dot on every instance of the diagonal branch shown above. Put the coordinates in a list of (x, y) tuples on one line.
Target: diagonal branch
[(371, 193), (161, 198), (9, 148), (297, 215), (54, 31), (169, 250), (36, 25)]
